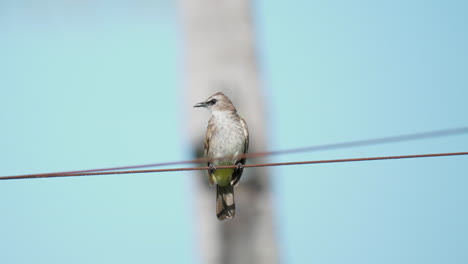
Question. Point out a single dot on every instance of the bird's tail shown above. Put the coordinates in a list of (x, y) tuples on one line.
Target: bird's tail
[(225, 206)]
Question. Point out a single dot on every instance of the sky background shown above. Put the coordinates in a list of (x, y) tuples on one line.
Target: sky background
[(87, 84)]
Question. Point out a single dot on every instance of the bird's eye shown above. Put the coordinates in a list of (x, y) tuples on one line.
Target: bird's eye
[(212, 101)]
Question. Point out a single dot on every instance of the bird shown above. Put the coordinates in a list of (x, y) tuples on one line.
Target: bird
[(226, 142)]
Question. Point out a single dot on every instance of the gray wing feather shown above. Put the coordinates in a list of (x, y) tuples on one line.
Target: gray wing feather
[(209, 134), (238, 172)]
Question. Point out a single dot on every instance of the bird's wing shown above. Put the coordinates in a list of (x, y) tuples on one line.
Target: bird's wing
[(209, 134), (238, 172), (246, 135)]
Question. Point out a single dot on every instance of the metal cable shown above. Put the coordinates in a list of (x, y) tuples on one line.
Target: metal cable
[(348, 144), (54, 175)]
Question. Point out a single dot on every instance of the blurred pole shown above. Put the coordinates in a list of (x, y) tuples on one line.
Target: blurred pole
[(219, 55)]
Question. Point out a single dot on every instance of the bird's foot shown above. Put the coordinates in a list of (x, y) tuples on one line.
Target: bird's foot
[(240, 166), (212, 169)]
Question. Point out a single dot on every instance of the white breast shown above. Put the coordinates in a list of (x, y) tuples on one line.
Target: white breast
[(228, 141)]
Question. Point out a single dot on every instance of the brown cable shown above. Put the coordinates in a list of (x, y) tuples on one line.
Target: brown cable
[(54, 175), (366, 142)]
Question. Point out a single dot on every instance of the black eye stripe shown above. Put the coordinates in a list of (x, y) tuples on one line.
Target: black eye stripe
[(212, 102)]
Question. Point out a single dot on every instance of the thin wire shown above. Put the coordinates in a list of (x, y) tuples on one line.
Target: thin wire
[(55, 175), (348, 144)]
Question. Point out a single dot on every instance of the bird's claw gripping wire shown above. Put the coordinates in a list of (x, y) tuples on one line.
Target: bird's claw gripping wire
[(240, 166), (212, 169)]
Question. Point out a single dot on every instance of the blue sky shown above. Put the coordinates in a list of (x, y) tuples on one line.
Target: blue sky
[(89, 85)]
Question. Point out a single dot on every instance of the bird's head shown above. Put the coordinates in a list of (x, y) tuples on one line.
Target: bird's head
[(217, 102)]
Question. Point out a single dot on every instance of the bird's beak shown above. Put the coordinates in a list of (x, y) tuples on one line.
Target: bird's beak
[(202, 104)]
